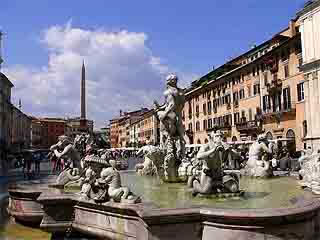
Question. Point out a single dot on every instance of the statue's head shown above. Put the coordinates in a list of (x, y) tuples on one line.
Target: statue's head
[(172, 80), (64, 140), (112, 162), (216, 137), (262, 138)]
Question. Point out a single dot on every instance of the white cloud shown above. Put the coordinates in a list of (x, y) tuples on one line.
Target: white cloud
[(121, 73)]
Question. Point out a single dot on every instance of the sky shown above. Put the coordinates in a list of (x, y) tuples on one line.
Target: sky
[(128, 47)]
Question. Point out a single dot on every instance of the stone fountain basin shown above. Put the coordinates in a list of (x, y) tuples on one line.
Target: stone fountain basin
[(60, 211)]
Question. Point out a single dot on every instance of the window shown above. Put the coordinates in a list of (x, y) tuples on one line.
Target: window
[(204, 108), (236, 117), (286, 71), (305, 128), (249, 90), (265, 78), (197, 126), (266, 103), (300, 62), (190, 127), (197, 110), (241, 93), (243, 116), (256, 89), (209, 123), (250, 114), (205, 125), (286, 99), (209, 108), (300, 90), (235, 97)]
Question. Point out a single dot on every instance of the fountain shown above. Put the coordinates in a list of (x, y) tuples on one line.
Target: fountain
[(190, 199)]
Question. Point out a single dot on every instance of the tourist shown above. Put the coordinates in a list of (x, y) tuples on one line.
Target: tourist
[(37, 163)]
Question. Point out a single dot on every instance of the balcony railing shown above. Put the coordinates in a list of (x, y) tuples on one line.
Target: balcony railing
[(222, 126), (285, 107), (274, 87), (248, 126)]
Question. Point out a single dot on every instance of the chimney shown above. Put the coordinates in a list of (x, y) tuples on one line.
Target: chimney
[(292, 28)]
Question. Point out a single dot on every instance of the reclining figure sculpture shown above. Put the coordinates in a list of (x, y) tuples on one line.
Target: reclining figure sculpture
[(212, 179)]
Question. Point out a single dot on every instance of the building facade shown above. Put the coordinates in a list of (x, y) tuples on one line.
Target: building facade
[(120, 127), (36, 128), (5, 118), (52, 128), (75, 127), (20, 130), (309, 20), (254, 93)]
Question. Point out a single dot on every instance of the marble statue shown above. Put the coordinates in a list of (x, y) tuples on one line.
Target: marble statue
[(87, 181), (67, 176), (107, 187), (310, 171), (212, 178), (116, 191), (153, 161), (258, 164), (68, 152), (171, 128), (190, 166)]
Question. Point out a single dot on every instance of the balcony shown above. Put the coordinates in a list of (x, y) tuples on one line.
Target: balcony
[(223, 126), (276, 113), (247, 126), (274, 87)]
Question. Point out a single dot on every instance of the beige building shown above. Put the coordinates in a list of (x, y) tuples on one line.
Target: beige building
[(120, 127), (36, 128), (309, 20), (74, 127), (20, 130), (145, 130), (251, 94)]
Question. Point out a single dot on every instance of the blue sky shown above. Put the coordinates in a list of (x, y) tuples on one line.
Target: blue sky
[(188, 37)]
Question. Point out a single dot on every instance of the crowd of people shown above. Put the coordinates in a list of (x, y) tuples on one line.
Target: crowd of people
[(281, 158)]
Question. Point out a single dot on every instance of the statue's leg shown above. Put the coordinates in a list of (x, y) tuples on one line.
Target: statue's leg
[(125, 192), (190, 181)]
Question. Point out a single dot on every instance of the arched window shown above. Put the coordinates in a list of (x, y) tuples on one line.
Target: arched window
[(234, 139), (198, 142), (206, 140), (290, 134), (269, 136)]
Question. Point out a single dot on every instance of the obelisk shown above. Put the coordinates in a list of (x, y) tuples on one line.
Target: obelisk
[(83, 120)]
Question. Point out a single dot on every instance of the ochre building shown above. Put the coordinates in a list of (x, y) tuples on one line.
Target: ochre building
[(260, 91)]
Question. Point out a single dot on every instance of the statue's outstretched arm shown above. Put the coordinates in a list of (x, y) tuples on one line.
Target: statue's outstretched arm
[(139, 151), (65, 151), (205, 152)]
